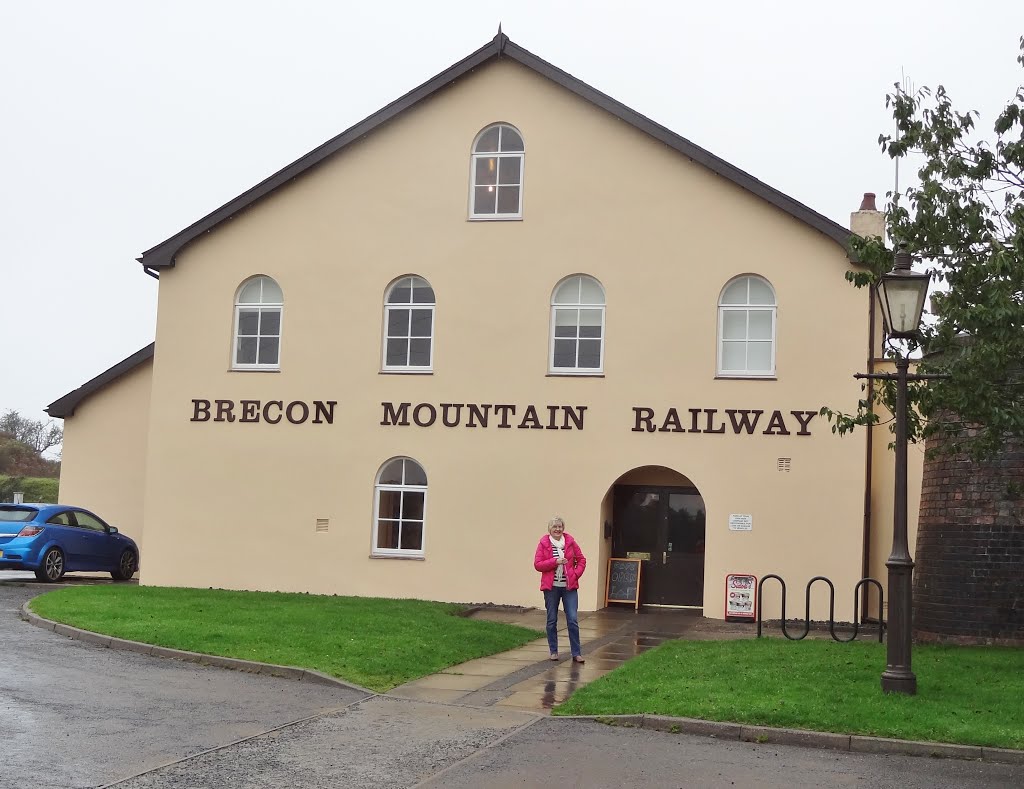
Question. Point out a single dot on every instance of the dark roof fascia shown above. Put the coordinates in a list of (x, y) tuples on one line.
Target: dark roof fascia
[(794, 208), (65, 406), (163, 254)]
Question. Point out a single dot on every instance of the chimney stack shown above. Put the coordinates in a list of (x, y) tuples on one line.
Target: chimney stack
[(868, 221)]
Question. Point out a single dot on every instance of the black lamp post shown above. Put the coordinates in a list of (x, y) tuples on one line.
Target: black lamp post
[(901, 294)]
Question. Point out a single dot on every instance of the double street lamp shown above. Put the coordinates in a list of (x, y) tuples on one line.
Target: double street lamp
[(901, 294)]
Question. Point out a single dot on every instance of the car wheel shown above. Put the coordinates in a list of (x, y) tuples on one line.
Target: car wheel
[(52, 568), (125, 566)]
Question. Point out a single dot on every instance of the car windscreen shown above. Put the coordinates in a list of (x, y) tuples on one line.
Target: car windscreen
[(14, 514)]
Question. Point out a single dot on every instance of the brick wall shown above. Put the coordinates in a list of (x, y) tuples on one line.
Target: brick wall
[(969, 579)]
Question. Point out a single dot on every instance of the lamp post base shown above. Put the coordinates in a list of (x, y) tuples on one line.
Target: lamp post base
[(899, 681)]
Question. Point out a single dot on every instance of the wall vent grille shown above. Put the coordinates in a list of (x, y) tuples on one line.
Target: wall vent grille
[(785, 464), (322, 524)]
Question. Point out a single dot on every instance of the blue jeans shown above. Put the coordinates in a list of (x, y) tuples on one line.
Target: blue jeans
[(570, 604)]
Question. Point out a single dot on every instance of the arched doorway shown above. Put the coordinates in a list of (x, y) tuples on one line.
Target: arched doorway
[(658, 516)]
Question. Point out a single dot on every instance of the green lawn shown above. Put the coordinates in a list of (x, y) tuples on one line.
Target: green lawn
[(969, 695), (372, 642)]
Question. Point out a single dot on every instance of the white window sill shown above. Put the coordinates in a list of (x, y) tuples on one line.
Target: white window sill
[(254, 369), (496, 218), (746, 377), (573, 374), (387, 371), (405, 557)]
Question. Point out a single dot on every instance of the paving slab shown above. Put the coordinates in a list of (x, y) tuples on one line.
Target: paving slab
[(480, 667), (453, 681), (420, 693)]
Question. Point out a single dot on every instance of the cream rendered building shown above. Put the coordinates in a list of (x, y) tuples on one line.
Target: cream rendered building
[(503, 297)]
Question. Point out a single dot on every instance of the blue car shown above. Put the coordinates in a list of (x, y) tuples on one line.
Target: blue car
[(52, 539)]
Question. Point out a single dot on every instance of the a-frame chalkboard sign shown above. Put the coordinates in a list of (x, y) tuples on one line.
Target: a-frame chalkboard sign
[(623, 582)]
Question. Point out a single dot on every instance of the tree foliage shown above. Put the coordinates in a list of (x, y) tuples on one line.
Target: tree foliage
[(964, 221), (37, 434), (22, 444)]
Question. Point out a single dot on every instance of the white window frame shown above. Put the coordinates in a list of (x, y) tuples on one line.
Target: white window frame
[(385, 336), (580, 305), (378, 487), (747, 309), (260, 307), (499, 154)]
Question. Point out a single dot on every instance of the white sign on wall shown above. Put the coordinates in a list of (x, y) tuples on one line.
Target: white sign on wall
[(741, 522)]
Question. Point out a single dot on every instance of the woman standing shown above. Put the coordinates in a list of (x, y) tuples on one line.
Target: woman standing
[(560, 562)]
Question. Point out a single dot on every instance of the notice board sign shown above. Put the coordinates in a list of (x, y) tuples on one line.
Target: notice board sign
[(623, 582), (740, 596)]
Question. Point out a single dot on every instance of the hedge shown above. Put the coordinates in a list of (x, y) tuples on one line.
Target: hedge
[(35, 488)]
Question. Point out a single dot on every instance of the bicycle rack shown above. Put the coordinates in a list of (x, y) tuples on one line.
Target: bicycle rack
[(831, 608)]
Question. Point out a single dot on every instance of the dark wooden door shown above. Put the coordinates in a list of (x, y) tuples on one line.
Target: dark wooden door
[(665, 527)]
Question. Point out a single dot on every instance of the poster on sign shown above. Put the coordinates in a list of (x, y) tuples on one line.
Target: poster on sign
[(740, 596)]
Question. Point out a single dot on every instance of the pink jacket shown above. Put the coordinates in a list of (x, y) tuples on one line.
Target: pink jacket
[(545, 564)]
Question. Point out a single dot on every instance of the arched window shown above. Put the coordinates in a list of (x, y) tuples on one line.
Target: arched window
[(400, 498), (257, 340), (746, 328), (409, 326), (577, 326), (496, 178)]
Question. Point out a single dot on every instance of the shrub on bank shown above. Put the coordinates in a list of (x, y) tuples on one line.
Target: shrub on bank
[(35, 488)]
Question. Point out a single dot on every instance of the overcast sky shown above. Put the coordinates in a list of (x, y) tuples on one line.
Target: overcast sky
[(124, 122)]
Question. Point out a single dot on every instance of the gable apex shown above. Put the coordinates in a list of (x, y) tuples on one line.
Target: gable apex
[(164, 254)]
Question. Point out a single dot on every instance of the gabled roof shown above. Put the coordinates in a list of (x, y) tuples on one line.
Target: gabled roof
[(163, 254), (65, 406)]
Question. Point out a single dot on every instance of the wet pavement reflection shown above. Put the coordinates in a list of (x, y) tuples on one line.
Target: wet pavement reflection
[(525, 679)]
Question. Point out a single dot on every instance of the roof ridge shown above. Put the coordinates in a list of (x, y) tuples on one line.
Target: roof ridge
[(163, 255)]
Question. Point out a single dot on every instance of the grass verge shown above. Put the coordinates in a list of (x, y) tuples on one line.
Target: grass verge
[(372, 642), (967, 695)]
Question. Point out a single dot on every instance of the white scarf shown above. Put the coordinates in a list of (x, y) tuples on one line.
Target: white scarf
[(559, 546)]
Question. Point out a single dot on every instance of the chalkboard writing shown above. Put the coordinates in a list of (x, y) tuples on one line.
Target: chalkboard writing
[(623, 584)]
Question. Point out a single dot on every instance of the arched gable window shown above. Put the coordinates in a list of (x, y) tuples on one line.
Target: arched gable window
[(577, 326), (400, 497), (746, 328), (409, 326), (257, 335), (496, 177)]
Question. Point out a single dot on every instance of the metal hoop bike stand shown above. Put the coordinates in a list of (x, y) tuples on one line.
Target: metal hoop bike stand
[(831, 608)]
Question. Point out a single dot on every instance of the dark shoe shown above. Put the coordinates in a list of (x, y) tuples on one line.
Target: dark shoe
[(578, 659)]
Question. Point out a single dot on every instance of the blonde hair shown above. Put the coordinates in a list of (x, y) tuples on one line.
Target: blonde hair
[(553, 521)]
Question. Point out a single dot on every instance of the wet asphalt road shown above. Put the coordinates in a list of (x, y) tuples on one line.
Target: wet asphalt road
[(78, 715)]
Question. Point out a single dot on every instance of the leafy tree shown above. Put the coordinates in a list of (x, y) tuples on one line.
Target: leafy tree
[(36, 434), (964, 220), (22, 444)]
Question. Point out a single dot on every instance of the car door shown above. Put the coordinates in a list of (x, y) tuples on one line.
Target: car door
[(96, 542), (70, 539)]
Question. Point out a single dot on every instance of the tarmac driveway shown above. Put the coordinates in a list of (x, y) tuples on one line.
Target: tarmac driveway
[(75, 715)]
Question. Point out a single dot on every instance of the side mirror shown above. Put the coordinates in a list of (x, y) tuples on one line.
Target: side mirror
[(112, 530)]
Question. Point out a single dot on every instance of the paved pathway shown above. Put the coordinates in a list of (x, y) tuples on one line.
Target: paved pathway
[(525, 679)]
